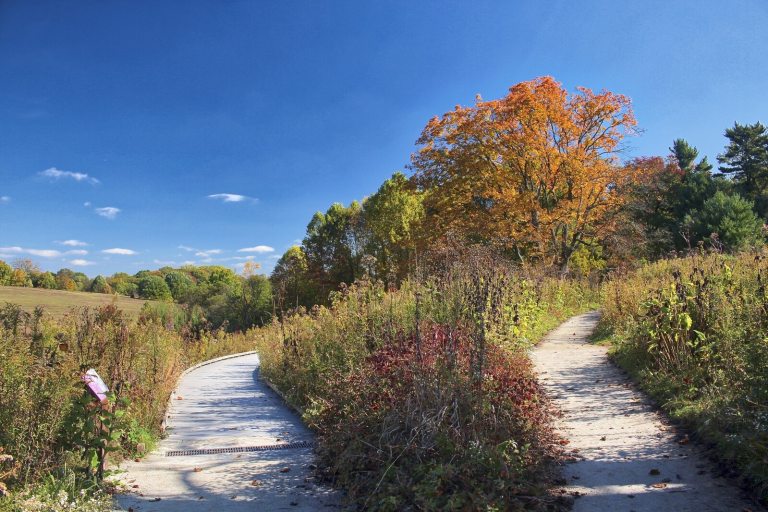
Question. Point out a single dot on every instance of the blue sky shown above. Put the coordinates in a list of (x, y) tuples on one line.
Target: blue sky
[(124, 124)]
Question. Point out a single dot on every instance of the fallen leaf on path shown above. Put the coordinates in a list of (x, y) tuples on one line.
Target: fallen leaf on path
[(197, 470), (179, 398), (659, 486), (684, 440), (256, 483), (285, 470)]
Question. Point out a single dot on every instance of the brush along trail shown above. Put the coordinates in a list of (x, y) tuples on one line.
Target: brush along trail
[(233, 445), (626, 456)]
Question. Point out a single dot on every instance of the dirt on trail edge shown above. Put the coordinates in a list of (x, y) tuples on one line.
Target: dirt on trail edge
[(627, 457)]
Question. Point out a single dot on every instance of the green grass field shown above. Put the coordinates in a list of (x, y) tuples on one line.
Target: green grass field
[(57, 302)]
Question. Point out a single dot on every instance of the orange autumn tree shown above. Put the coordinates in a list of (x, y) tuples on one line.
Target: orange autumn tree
[(535, 172)]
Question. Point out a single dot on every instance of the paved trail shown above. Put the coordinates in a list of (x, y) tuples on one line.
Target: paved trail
[(628, 458), (224, 405)]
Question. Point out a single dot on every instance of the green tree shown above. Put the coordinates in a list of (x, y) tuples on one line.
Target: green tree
[(684, 154), (392, 215), (154, 288), (6, 273), (44, 280), (100, 285), (252, 305), (180, 283), (127, 288), (746, 159), (333, 246), (290, 281), (729, 219)]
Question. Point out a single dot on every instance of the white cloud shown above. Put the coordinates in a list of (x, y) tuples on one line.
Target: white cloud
[(87, 204), (73, 243), (258, 248), (77, 252), (118, 250), (208, 253), (57, 174), (110, 212), (42, 253), (81, 263), (5, 199), (230, 198), (187, 248)]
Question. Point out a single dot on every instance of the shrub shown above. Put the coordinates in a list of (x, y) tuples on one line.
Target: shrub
[(413, 428), (726, 219)]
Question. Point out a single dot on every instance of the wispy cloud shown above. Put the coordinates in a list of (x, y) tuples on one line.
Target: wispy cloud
[(42, 253), (208, 253), (258, 248), (110, 212), (5, 199), (120, 251), (187, 248), (77, 252), (72, 243), (81, 263), (57, 174), (231, 198)]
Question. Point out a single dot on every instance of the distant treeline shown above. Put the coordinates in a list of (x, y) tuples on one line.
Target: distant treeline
[(213, 296)]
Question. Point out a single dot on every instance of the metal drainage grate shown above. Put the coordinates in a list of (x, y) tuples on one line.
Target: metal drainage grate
[(240, 449)]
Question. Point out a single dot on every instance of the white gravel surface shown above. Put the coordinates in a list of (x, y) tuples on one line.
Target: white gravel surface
[(627, 457), (225, 405)]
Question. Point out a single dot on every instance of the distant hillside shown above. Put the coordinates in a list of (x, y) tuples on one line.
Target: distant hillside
[(58, 302)]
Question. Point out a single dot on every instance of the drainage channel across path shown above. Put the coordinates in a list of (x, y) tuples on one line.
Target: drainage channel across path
[(627, 457), (232, 445)]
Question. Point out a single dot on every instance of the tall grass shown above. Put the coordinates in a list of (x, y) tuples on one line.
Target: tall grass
[(694, 331), (41, 362), (424, 397)]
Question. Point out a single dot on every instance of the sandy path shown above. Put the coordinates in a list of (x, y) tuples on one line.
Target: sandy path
[(627, 458), (224, 405)]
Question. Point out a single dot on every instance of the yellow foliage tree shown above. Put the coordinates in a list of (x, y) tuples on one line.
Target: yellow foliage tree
[(535, 172)]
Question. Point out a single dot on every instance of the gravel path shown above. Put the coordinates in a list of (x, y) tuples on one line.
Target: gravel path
[(627, 457), (225, 405)]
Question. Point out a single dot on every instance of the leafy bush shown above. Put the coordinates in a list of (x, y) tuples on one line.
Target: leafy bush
[(413, 427)]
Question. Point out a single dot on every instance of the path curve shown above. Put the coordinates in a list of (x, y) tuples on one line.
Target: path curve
[(628, 457), (224, 405)]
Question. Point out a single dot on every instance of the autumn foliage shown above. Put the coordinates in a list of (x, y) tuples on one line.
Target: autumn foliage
[(412, 430), (535, 172)]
